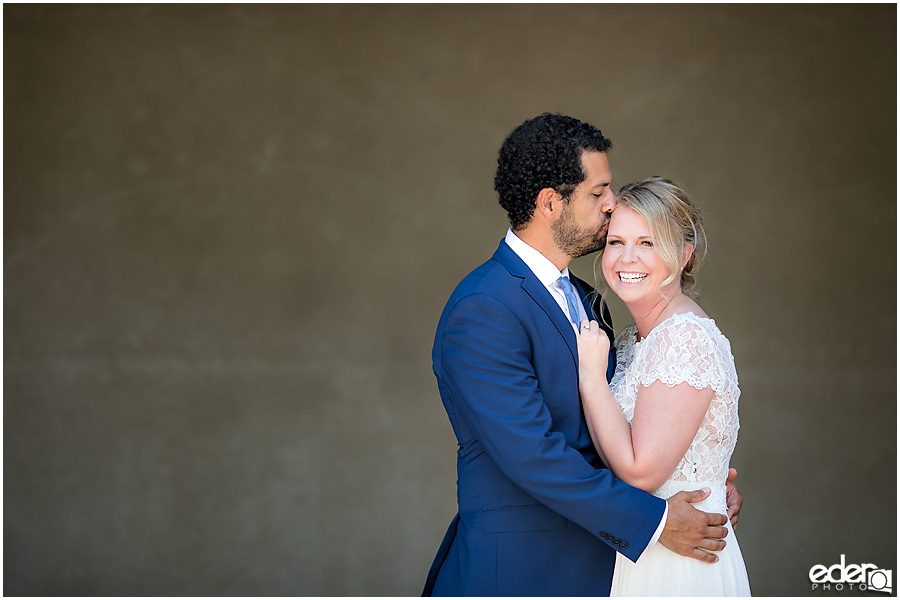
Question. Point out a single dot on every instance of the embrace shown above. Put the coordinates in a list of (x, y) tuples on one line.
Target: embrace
[(587, 466)]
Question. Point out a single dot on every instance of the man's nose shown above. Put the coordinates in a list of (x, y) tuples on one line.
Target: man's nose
[(609, 202)]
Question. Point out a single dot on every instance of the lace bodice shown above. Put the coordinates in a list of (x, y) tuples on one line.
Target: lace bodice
[(686, 348)]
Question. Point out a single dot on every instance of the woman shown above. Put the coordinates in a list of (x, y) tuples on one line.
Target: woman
[(668, 420)]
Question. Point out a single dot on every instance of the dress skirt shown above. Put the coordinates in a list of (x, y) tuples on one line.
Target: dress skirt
[(661, 572)]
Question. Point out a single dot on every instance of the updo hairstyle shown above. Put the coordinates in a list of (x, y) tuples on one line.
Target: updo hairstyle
[(674, 221)]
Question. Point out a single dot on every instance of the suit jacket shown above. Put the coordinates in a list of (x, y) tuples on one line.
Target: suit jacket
[(539, 514)]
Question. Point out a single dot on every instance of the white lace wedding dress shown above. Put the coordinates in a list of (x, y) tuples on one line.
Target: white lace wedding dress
[(685, 348)]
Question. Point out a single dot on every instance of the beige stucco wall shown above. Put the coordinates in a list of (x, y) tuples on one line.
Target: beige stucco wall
[(229, 232)]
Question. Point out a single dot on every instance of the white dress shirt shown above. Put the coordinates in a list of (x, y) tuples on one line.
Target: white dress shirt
[(548, 274)]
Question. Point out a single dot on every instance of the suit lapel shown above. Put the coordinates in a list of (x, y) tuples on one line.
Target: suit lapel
[(594, 305), (586, 299), (540, 295), (600, 312), (534, 288)]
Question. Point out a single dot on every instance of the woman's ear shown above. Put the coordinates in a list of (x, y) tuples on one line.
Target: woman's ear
[(688, 253)]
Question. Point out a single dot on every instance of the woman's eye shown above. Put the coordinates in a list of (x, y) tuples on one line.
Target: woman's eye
[(614, 242), (647, 243)]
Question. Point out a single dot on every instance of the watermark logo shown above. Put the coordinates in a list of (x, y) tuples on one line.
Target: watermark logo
[(855, 577)]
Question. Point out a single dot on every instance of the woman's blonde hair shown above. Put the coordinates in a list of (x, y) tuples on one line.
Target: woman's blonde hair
[(674, 221)]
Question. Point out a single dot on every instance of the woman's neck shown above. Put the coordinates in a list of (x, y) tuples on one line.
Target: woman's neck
[(648, 315)]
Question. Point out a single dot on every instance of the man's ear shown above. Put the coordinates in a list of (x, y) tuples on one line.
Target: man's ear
[(548, 203)]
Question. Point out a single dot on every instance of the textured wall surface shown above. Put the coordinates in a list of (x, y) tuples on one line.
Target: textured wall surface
[(229, 232)]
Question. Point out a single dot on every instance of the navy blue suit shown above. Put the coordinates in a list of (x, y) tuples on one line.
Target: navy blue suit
[(539, 514)]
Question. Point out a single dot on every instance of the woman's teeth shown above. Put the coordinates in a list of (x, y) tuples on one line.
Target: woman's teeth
[(631, 277)]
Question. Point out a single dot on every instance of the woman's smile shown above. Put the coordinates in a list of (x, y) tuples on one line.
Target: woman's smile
[(631, 277)]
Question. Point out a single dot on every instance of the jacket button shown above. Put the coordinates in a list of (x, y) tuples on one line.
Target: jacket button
[(623, 545), (604, 535), (617, 542)]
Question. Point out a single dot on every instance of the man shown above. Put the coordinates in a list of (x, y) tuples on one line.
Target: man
[(539, 514)]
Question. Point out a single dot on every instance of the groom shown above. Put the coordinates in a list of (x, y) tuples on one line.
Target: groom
[(539, 514)]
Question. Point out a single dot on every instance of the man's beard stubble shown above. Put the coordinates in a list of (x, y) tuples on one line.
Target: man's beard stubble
[(574, 240)]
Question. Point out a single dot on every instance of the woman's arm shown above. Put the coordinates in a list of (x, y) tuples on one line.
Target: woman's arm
[(666, 419)]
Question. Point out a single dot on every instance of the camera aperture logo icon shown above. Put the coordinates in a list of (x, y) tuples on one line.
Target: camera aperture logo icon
[(861, 577)]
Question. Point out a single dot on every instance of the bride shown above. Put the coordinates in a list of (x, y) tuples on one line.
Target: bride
[(668, 419)]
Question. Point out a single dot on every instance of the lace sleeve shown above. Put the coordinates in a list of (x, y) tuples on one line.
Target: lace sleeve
[(682, 350)]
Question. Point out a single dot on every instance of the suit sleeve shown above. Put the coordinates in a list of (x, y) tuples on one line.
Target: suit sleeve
[(486, 366)]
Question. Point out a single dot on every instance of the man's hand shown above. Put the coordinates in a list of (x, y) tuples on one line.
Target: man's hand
[(691, 532), (733, 498)]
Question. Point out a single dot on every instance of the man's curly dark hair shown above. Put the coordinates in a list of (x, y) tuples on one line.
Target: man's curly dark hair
[(543, 152)]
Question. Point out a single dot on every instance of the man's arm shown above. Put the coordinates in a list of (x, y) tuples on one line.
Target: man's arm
[(485, 365)]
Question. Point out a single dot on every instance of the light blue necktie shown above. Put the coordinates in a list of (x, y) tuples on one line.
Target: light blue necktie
[(571, 299)]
